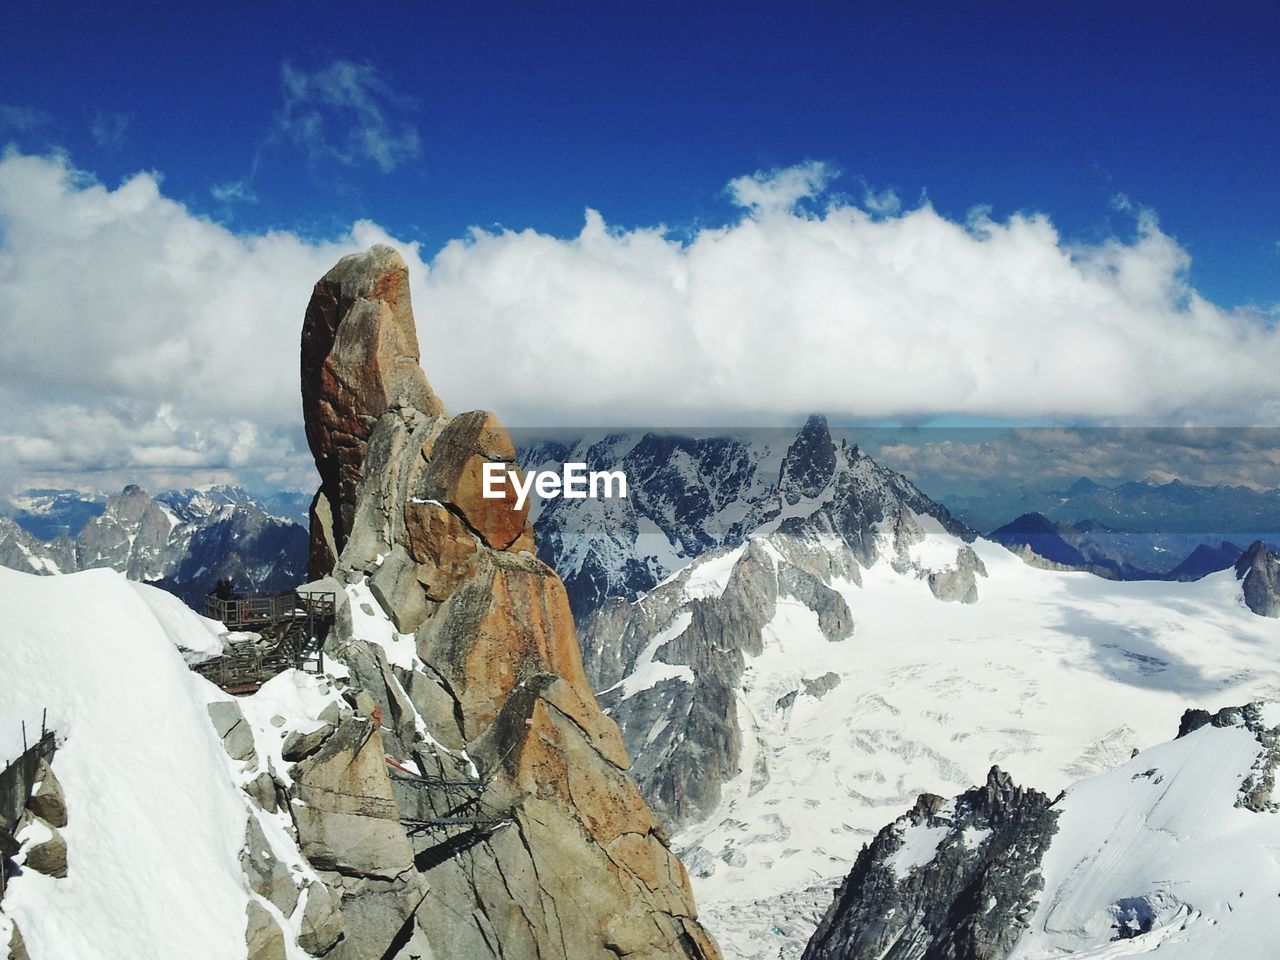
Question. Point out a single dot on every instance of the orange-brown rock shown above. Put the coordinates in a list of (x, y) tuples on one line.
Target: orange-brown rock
[(440, 544), (509, 622), (566, 861), (359, 359), (455, 475)]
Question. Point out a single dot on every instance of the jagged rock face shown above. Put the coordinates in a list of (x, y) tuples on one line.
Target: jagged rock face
[(690, 495), (672, 664), (133, 533), (1168, 853), (348, 820), (809, 463), (567, 860), (951, 880), (1258, 569), (183, 541), (701, 646), (19, 550), (958, 583), (359, 359)]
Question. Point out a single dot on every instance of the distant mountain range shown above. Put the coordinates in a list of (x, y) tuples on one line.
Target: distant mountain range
[(1116, 554), (1233, 512), (691, 494), (182, 540)]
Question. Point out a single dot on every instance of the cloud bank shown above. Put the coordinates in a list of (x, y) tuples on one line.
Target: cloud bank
[(141, 336)]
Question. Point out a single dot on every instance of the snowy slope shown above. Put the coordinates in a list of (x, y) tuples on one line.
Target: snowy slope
[(1162, 851), (157, 810), (1054, 676), (140, 764), (1172, 854)]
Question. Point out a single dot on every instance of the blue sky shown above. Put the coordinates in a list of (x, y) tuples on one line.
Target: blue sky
[(525, 114), (686, 215)]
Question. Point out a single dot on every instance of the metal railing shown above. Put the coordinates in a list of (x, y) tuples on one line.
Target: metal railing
[(258, 610), (16, 782)]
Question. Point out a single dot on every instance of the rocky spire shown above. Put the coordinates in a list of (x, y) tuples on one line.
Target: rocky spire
[(572, 865), (359, 359), (809, 463)]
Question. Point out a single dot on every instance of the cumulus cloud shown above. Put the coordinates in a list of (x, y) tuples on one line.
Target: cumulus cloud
[(780, 190), (138, 334), (346, 112), (855, 312)]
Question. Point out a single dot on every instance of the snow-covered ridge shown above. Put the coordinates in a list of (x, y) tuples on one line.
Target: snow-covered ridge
[(691, 494), (1170, 853), (140, 765)]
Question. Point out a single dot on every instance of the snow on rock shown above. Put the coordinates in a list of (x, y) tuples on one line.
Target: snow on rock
[(1161, 852), (140, 765), (1173, 853), (919, 845), (648, 671), (370, 622), (1054, 676), (289, 703)]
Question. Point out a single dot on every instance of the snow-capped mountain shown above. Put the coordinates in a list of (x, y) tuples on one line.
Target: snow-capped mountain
[(688, 495), (784, 697), (1173, 852), (184, 541)]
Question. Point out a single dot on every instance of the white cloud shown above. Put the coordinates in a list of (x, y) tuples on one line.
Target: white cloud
[(967, 459), (345, 112), (138, 335), (780, 190)]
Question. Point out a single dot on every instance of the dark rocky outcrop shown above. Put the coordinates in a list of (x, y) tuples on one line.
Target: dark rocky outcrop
[(1258, 569), (32, 791), (949, 880), (809, 463)]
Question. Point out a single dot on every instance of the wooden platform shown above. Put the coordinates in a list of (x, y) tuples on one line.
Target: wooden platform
[(292, 627)]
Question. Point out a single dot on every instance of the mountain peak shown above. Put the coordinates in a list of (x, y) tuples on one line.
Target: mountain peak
[(809, 463), (496, 664), (359, 360), (1083, 485)]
